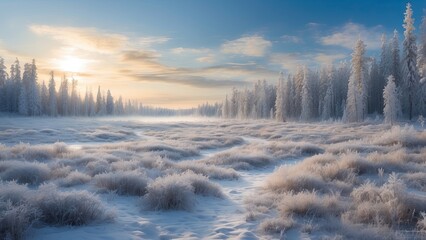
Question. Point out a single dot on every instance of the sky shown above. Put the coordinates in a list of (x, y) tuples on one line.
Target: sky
[(179, 54)]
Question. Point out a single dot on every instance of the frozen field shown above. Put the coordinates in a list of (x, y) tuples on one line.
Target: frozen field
[(140, 178)]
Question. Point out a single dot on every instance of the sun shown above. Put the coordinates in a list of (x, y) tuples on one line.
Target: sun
[(71, 64)]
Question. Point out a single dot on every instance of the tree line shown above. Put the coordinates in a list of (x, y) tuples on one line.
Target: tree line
[(21, 93), (393, 85)]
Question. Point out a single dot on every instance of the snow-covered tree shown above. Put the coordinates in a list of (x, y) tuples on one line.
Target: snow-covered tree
[(44, 99), (395, 62), (225, 108), (3, 90), (280, 112), (99, 101), (53, 108), (63, 97), (74, 100), (356, 100), (392, 106), (307, 96), (109, 104), (410, 74)]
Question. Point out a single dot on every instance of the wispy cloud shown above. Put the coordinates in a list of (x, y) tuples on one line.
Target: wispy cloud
[(89, 39), (328, 59), (347, 35), (291, 61), (193, 81), (147, 42), (181, 50), (291, 39), (254, 46), (206, 59)]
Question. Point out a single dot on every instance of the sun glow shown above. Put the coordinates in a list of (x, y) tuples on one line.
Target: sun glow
[(71, 64)]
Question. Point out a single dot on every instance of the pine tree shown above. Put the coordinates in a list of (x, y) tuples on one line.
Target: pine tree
[(53, 109), (63, 97), (356, 100), (395, 63), (225, 108), (307, 96), (3, 89), (392, 106), (280, 101), (44, 99), (109, 103), (99, 101), (409, 66)]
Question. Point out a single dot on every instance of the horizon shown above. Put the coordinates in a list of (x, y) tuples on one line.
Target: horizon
[(182, 54)]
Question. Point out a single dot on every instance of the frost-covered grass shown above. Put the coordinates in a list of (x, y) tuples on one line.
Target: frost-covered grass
[(323, 180), (177, 191), (367, 187), (124, 183)]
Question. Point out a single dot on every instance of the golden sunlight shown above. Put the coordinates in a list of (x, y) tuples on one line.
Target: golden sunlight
[(71, 64)]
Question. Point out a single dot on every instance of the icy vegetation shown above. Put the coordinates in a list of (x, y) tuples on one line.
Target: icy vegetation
[(209, 178)]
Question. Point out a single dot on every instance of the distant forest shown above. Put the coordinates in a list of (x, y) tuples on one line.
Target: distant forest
[(23, 94), (392, 86)]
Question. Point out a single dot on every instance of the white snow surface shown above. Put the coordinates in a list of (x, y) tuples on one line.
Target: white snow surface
[(193, 140)]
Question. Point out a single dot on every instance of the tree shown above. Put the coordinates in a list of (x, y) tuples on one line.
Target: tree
[(391, 101), (63, 97), (73, 103), (53, 110), (3, 78), (44, 99), (280, 101), (307, 96), (356, 100), (99, 101), (410, 74), (225, 108), (395, 64), (109, 103)]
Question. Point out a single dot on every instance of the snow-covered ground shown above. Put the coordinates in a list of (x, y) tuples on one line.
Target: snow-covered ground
[(226, 179)]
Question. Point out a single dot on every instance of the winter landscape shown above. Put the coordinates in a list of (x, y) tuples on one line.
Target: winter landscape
[(120, 130)]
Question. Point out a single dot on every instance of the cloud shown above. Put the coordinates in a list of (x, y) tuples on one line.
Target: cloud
[(89, 39), (133, 55), (291, 61), (253, 46), (291, 39), (181, 50), (143, 61), (347, 35), (193, 81), (149, 41), (328, 59), (206, 59)]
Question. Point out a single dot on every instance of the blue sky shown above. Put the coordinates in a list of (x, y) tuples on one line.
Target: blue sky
[(181, 53)]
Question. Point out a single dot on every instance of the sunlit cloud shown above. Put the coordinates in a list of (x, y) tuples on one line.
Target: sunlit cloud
[(254, 46), (347, 35), (193, 81), (181, 50), (206, 59), (89, 39), (147, 42)]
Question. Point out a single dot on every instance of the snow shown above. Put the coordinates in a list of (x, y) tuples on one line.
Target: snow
[(157, 147)]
